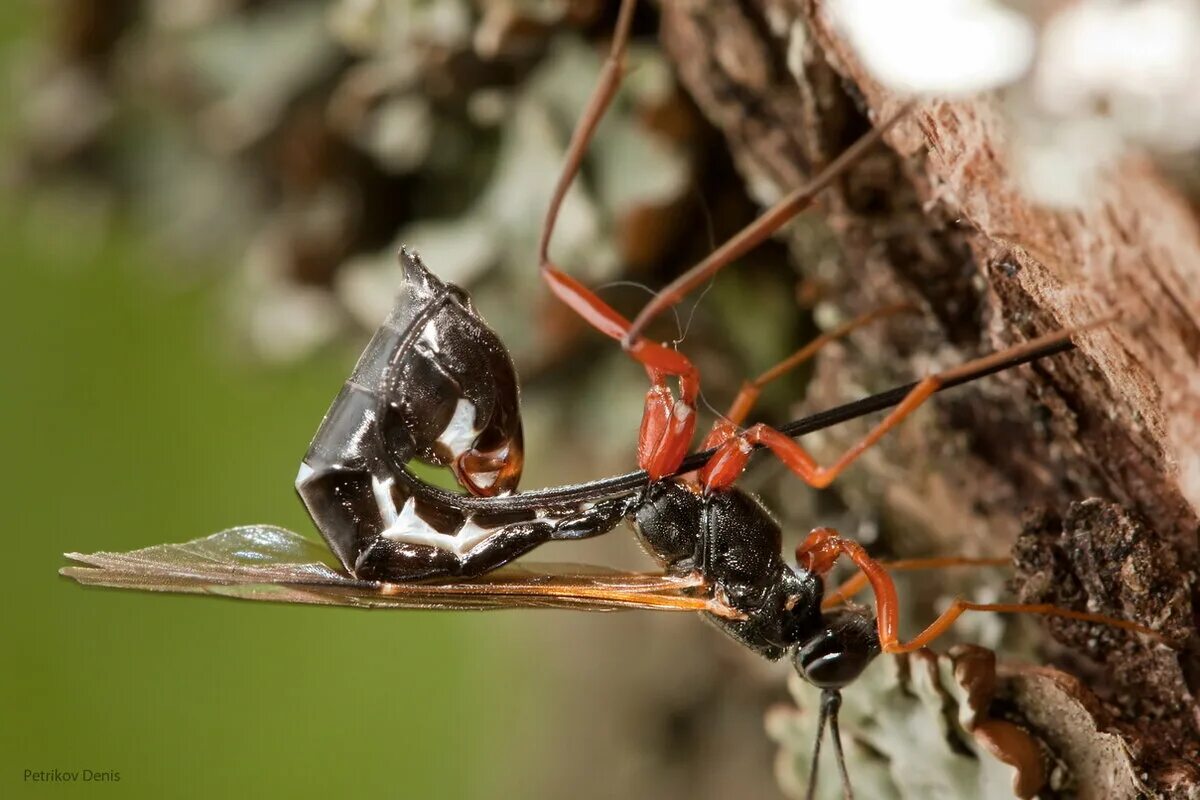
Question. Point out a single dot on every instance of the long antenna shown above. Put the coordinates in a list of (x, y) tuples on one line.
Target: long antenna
[(632, 481), (832, 698), (831, 704), (816, 756)]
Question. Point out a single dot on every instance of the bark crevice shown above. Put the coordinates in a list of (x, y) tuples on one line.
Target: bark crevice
[(936, 216)]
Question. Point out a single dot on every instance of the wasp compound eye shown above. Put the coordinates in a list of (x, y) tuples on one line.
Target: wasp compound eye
[(838, 653)]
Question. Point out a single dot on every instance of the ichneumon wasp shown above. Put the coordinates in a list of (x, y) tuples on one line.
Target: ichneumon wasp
[(436, 385)]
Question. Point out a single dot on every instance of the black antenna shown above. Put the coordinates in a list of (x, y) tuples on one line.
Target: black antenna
[(831, 702), (816, 756)]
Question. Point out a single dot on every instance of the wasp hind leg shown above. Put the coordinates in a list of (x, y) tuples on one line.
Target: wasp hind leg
[(731, 457), (726, 427), (824, 546)]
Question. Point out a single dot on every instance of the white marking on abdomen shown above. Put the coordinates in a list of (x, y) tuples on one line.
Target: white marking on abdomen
[(405, 525), (383, 500), (460, 432), (304, 474), (429, 337)]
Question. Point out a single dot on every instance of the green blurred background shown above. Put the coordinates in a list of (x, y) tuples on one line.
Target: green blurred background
[(124, 426), (202, 204), (179, 311)]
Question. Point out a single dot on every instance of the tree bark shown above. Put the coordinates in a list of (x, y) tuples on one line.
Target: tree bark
[(935, 216)]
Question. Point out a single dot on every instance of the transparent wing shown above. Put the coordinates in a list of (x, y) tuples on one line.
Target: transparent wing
[(267, 563)]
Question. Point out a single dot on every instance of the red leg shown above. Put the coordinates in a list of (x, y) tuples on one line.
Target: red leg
[(726, 427), (730, 459), (856, 584), (668, 424), (574, 294), (821, 549)]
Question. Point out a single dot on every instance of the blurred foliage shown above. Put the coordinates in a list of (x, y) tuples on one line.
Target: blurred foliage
[(210, 184), (126, 432), (126, 427), (305, 140)]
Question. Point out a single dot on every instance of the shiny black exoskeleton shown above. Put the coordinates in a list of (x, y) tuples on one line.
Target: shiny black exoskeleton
[(436, 385), (730, 539)]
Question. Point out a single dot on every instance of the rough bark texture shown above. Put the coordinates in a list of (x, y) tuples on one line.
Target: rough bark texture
[(935, 216)]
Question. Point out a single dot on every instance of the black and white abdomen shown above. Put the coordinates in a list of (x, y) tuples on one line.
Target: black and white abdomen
[(434, 385), (445, 386)]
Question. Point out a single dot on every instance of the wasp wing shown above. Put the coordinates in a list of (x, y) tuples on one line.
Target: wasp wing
[(268, 563)]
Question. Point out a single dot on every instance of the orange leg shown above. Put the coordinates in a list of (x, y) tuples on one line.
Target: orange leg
[(726, 427), (857, 583), (757, 231), (821, 549), (730, 459), (667, 424), (602, 95)]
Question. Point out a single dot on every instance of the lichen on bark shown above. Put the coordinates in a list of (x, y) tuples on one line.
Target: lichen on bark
[(936, 217)]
